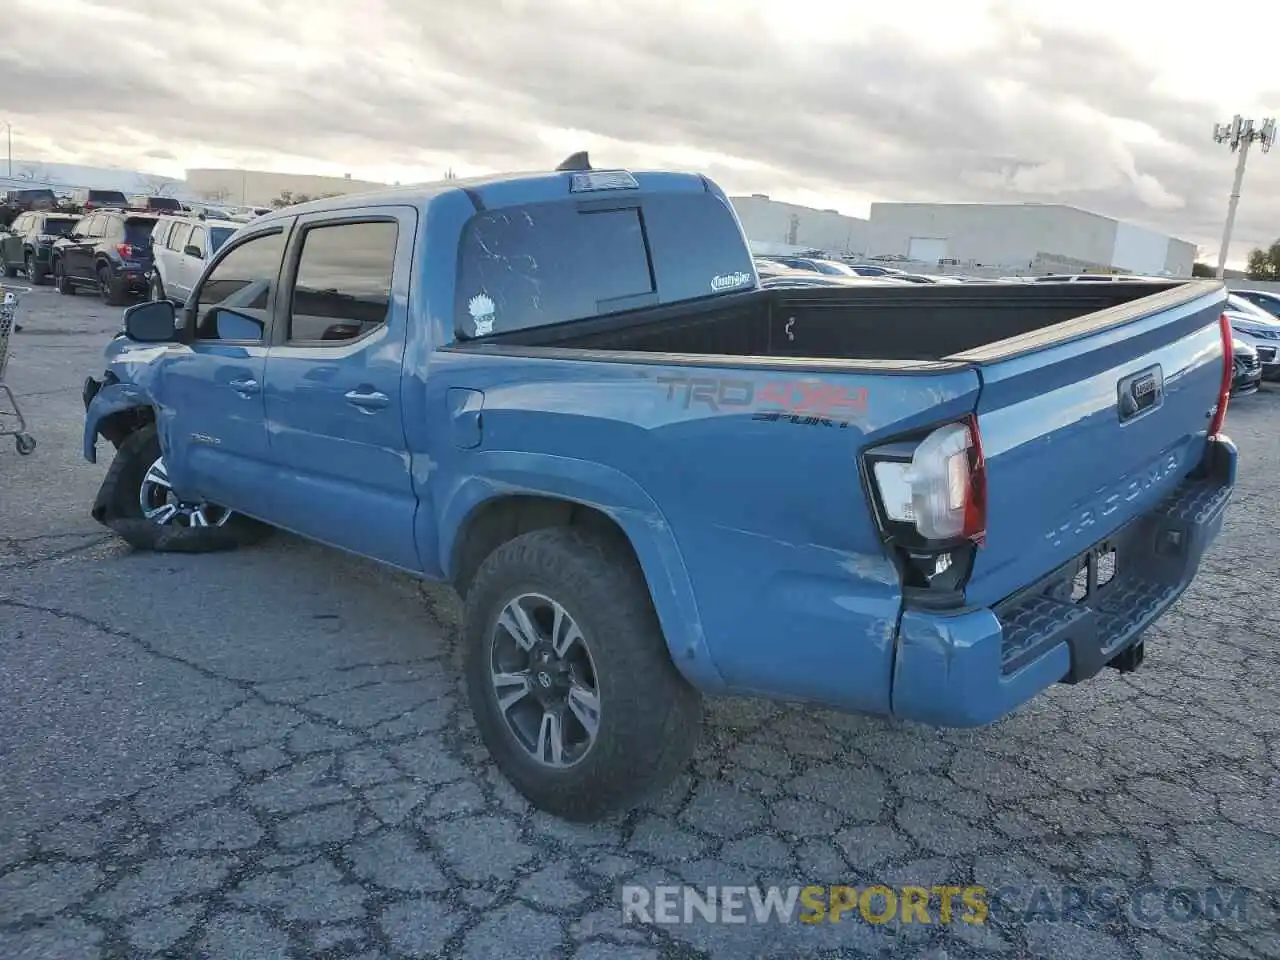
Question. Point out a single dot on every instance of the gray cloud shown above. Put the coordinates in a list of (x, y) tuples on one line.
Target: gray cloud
[(1030, 117)]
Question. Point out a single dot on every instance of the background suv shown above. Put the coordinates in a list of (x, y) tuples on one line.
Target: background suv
[(29, 242), (86, 199), (180, 247), (107, 249)]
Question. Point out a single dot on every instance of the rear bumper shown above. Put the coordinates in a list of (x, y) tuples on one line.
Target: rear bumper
[(972, 668)]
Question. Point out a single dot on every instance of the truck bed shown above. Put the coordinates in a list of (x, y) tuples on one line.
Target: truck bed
[(920, 323)]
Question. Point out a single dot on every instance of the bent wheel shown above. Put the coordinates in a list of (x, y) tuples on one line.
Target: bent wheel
[(138, 502)]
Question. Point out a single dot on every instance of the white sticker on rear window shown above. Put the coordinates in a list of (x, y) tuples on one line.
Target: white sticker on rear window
[(483, 313), (727, 281)]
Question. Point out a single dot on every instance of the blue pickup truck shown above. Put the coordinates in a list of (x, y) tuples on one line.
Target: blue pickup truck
[(650, 479)]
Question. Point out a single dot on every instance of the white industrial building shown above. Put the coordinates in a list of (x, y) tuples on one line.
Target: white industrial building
[(1036, 237), (774, 227), (260, 187), (979, 238)]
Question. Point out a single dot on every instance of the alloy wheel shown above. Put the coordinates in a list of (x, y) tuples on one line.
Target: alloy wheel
[(161, 505), (544, 681)]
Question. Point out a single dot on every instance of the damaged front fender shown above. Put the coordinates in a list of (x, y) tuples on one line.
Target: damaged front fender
[(103, 404)]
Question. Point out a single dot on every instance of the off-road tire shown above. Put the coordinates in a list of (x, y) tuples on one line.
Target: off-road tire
[(62, 283), (110, 289), (36, 272), (118, 508), (650, 716)]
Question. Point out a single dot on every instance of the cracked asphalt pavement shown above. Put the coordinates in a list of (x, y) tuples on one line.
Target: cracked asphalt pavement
[(267, 754)]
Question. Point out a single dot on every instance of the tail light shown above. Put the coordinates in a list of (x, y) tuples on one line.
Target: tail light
[(1224, 389), (930, 494), (125, 250)]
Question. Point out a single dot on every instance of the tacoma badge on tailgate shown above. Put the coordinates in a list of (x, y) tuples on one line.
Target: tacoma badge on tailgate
[(1140, 392)]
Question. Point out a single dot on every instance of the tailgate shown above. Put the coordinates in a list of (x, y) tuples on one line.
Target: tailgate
[(1082, 435)]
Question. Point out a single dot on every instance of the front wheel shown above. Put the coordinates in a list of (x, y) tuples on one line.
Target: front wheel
[(569, 676), (35, 271), (61, 282), (138, 502)]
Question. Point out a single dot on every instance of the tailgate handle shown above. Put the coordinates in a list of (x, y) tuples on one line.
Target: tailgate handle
[(1140, 392)]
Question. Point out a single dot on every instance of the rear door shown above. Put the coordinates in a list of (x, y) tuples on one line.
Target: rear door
[(177, 273), (333, 385), (1082, 436)]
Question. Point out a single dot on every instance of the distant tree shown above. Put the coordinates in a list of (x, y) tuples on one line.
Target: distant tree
[(1265, 264), (450, 175), (156, 186), (285, 199), (1203, 270)]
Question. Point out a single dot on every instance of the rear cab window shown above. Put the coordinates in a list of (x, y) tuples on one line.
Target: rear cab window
[(137, 231), (564, 260)]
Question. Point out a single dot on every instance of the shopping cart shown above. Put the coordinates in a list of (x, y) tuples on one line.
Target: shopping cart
[(10, 297)]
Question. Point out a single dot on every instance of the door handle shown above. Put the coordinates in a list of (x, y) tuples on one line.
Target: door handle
[(245, 387), (367, 401)]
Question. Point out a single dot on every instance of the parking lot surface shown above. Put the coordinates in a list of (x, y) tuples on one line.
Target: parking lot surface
[(267, 754)]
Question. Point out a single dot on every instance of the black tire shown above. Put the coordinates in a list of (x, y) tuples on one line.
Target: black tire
[(111, 290), (117, 507), (36, 272), (61, 282), (649, 714), (10, 272)]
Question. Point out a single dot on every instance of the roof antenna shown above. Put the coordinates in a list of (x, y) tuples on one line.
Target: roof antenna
[(577, 161)]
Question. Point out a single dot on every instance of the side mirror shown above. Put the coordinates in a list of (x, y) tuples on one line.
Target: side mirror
[(151, 322), (237, 326), (193, 251)]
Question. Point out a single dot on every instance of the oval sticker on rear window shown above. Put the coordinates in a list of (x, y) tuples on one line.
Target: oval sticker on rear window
[(727, 281)]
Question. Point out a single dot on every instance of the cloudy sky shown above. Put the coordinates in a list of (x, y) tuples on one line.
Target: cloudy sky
[(1106, 104)]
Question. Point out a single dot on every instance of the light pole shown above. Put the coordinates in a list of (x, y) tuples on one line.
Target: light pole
[(1240, 135)]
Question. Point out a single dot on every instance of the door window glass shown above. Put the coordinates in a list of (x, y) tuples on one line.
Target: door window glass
[(241, 281), (343, 285)]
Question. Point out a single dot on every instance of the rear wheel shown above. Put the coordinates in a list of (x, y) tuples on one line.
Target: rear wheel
[(138, 502), (112, 291), (62, 283), (569, 676)]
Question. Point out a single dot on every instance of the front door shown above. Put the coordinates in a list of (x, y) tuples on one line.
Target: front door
[(211, 421), (333, 393)]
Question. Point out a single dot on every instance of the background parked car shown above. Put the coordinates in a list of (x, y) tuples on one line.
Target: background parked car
[(155, 204), (14, 202), (1263, 299), (29, 242), (86, 199), (180, 247), (109, 250), (1259, 329), (1246, 375)]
